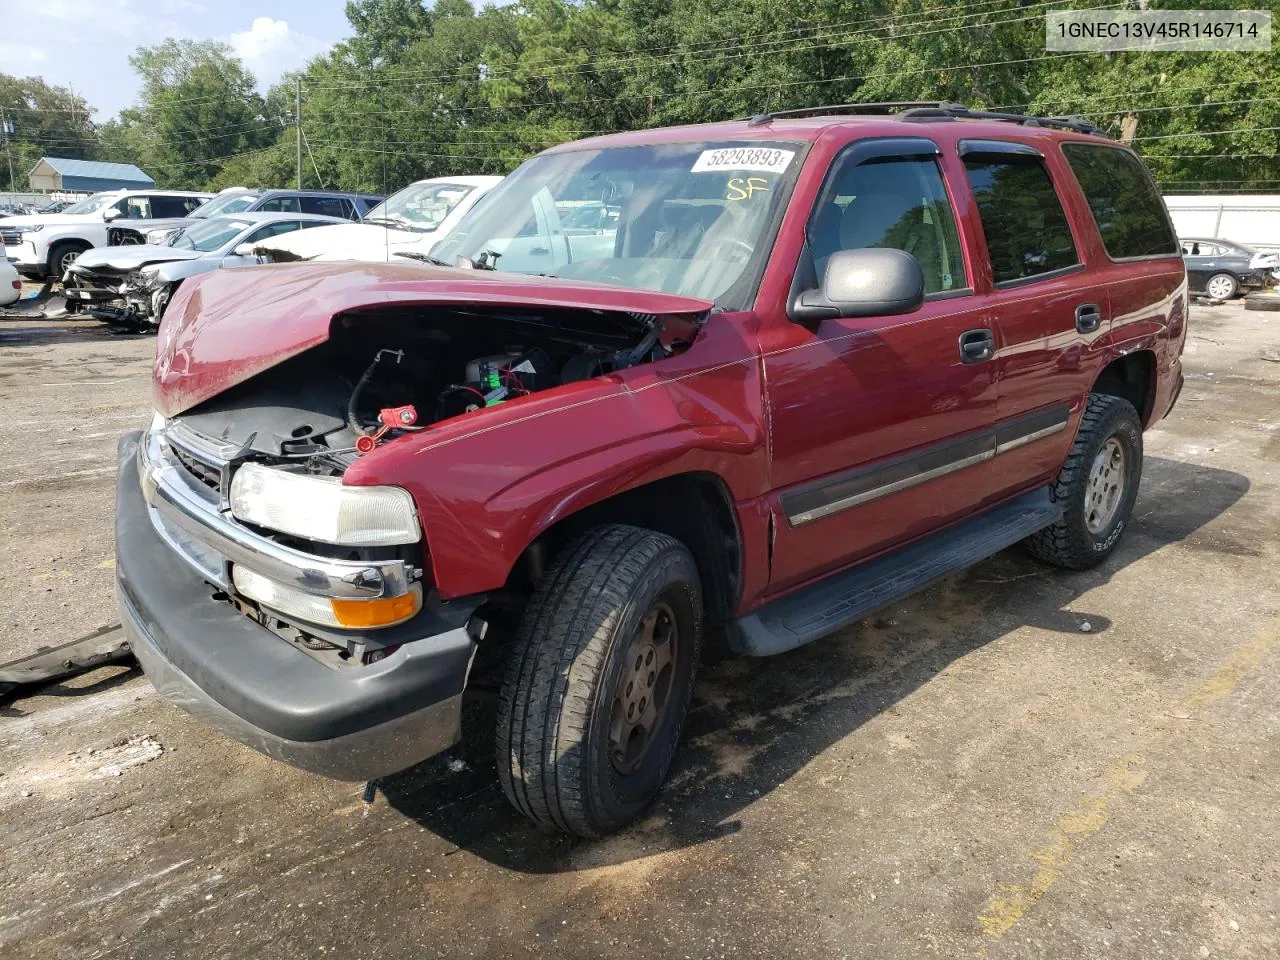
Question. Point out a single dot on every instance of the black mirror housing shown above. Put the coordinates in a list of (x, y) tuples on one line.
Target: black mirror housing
[(868, 282)]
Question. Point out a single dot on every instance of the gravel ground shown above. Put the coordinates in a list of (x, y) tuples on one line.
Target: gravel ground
[(1018, 762)]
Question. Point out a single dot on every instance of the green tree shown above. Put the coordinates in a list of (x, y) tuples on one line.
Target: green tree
[(46, 121)]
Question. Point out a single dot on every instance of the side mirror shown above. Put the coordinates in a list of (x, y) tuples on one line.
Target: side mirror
[(112, 213), (869, 282), (246, 250)]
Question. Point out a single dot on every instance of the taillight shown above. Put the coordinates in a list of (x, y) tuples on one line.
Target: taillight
[(17, 285)]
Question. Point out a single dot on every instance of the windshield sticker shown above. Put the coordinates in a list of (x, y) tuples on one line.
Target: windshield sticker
[(765, 159), (744, 188)]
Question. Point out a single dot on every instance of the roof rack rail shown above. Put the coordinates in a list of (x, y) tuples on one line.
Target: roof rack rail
[(928, 110)]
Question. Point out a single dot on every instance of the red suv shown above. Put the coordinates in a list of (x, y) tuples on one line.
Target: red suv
[(764, 376)]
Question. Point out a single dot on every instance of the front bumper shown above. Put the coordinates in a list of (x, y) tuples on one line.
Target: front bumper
[(26, 258), (352, 723)]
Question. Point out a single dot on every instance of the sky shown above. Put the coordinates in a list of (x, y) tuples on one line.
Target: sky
[(86, 44)]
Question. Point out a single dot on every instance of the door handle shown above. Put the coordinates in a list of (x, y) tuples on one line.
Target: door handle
[(977, 346), (1088, 317)]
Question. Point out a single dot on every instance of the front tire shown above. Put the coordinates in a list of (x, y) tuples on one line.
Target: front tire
[(61, 257), (599, 680), (1097, 487)]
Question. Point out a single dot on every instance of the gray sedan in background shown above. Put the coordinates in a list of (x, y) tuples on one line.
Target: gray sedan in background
[(131, 285)]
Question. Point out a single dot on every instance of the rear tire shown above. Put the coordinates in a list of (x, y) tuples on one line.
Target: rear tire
[(1222, 286), (1097, 487), (599, 679)]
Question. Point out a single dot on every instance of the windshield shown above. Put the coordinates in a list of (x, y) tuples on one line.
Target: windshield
[(684, 218), (419, 206), (223, 204), (210, 235), (92, 204)]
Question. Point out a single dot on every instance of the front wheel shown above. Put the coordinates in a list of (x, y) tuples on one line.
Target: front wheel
[(1096, 487), (599, 680)]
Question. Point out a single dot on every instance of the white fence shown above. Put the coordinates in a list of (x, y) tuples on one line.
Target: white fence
[(1251, 219)]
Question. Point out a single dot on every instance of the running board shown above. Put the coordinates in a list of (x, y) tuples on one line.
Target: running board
[(846, 597)]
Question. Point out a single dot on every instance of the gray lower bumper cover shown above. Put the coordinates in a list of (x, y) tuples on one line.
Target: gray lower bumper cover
[(226, 670)]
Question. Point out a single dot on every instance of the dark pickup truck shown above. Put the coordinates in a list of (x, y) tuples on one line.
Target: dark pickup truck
[(808, 363)]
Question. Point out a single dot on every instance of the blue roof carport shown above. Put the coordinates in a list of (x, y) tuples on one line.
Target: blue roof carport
[(86, 176)]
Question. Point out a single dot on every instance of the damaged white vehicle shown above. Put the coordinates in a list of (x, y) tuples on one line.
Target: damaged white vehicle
[(131, 285)]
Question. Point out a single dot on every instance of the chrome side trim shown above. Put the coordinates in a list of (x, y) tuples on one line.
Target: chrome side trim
[(180, 515), (997, 446), (874, 494), (1022, 441)]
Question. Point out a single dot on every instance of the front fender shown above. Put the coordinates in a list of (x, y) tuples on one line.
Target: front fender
[(489, 484)]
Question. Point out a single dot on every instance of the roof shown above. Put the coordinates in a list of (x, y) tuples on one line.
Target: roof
[(809, 129), (98, 170), (270, 216), (466, 181)]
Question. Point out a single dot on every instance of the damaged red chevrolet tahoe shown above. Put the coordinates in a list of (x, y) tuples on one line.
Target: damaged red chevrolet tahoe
[(759, 377)]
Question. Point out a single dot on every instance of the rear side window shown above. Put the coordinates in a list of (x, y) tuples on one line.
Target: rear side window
[(326, 206), (1129, 213), (172, 206), (1023, 220)]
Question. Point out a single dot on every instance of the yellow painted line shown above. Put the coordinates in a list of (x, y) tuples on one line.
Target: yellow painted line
[(1011, 901)]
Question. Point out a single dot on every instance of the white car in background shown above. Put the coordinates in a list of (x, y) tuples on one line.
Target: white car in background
[(10, 283), (132, 284), (44, 245), (409, 222)]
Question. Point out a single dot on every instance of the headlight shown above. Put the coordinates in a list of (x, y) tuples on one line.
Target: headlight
[(156, 237), (347, 614), (323, 508), (27, 231)]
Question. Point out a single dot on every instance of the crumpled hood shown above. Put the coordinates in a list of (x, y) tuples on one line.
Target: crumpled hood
[(353, 241), (131, 257), (230, 325)]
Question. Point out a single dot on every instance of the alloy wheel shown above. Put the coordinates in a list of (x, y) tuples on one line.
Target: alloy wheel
[(1106, 486), (643, 692)]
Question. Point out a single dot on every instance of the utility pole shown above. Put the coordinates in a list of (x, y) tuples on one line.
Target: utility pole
[(297, 119), (6, 131)]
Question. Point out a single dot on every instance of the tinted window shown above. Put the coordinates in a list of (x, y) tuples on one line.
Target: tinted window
[(1126, 207), (892, 202), (280, 205), (1022, 217), (326, 206), (172, 206), (271, 230)]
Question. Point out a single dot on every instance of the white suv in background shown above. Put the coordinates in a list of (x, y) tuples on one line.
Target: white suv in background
[(45, 245), (407, 224)]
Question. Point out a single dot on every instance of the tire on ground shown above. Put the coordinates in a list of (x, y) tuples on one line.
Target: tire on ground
[(1269, 302), (568, 665), (1070, 542)]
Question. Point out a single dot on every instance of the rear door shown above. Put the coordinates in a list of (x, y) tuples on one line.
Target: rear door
[(879, 429), (1044, 315)]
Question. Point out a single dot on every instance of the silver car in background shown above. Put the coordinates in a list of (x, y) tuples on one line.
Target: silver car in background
[(131, 285)]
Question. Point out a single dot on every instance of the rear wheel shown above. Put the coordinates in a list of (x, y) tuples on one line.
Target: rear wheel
[(599, 680), (1222, 286), (1097, 486)]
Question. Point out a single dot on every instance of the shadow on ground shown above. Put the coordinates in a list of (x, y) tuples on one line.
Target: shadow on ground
[(756, 723)]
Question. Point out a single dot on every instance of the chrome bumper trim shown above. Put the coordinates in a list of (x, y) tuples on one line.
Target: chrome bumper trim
[(210, 541)]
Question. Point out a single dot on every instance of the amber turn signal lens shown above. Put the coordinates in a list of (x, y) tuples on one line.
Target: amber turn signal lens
[(382, 612)]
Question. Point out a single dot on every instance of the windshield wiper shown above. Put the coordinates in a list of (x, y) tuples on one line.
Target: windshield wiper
[(422, 258), (398, 224)]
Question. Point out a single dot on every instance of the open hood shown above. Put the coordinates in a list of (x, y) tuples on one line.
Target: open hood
[(231, 325), (125, 259), (353, 241)]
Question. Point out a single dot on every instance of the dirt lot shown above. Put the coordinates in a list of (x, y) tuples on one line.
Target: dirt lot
[(974, 773)]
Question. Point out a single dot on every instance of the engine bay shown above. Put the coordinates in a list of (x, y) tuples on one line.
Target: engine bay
[(384, 373)]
